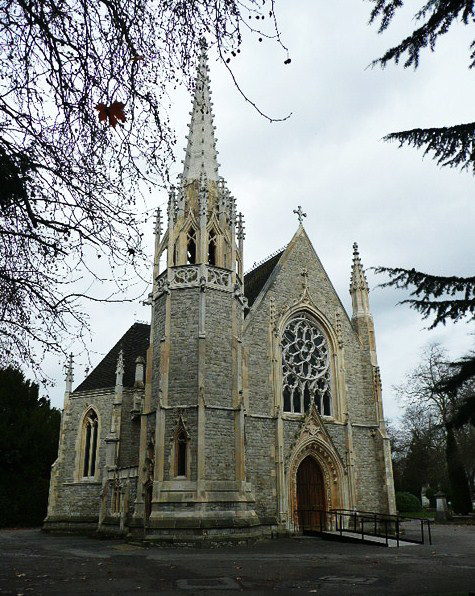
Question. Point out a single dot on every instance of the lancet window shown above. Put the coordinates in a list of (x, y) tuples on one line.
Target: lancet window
[(191, 246), (305, 366), (212, 248), (89, 443), (181, 448)]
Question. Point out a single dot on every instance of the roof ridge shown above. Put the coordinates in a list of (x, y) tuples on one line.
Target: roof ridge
[(271, 256)]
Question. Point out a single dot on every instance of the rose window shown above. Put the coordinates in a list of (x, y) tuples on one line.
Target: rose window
[(305, 367)]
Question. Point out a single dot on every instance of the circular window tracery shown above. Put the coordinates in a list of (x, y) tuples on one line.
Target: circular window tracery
[(305, 367)]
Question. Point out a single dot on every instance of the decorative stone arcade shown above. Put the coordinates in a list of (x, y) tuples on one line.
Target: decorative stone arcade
[(193, 480)]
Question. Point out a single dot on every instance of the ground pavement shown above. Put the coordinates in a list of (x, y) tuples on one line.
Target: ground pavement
[(35, 563)]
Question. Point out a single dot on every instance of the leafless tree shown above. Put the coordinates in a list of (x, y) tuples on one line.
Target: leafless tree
[(84, 133)]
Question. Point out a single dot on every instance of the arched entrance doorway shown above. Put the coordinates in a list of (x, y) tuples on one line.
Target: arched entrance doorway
[(311, 502)]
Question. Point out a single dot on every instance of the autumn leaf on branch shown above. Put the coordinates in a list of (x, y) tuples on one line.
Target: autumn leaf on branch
[(114, 112)]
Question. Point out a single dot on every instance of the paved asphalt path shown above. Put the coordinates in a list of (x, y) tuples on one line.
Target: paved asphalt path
[(35, 563)]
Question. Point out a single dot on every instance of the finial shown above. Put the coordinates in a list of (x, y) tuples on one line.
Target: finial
[(171, 206), (119, 371), (240, 227), (203, 194), (158, 222), (300, 214), (358, 277), (69, 376)]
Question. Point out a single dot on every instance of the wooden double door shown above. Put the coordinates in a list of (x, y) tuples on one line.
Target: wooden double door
[(311, 502)]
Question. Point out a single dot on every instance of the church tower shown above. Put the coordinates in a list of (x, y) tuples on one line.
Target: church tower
[(192, 475)]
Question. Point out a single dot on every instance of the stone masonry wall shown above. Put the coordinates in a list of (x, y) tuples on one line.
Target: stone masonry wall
[(129, 432), (219, 445), (77, 497), (219, 366), (260, 465), (183, 372), (286, 288)]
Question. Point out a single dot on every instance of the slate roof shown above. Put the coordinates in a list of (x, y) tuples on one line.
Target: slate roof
[(134, 343), (255, 280)]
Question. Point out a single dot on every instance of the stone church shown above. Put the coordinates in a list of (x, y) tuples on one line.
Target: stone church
[(249, 404)]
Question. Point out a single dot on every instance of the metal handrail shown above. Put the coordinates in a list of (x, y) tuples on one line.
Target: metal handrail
[(382, 525)]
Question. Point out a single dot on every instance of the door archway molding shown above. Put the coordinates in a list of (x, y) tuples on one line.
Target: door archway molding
[(315, 442)]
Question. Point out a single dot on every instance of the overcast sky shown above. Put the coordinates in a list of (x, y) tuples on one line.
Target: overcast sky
[(329, 158)]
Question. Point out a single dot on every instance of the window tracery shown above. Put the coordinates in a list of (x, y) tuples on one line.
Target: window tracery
[(89, 455), (191, 246), (212, 248), (305, 367)]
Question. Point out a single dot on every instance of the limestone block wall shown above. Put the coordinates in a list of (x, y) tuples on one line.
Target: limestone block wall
[(219, 445), (76, 497), (218, 355), (260, 466), (129, 432), (157, 333), (371, 488)]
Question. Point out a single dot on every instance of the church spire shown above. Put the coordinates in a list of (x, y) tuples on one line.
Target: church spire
[(201, 154), (359, 289)]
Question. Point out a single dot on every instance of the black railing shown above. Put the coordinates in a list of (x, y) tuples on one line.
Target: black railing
[(347, 523)]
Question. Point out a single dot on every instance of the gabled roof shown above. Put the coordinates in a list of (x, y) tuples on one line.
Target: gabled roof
[(134, 343), (255, 280)]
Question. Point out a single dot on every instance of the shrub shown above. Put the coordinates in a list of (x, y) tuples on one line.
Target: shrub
[(406, 502)]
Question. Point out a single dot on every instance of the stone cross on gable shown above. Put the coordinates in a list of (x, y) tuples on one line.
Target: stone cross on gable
[(300, 214)]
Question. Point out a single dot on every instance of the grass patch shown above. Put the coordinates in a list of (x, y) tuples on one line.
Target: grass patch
[(423, 514)]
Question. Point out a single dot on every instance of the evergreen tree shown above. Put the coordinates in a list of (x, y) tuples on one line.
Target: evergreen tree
[(29, 432), (452, 146), (460, 494)]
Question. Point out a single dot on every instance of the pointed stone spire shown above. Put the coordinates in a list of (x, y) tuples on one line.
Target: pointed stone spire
[(201, 154), (69, 376), (359, 289)]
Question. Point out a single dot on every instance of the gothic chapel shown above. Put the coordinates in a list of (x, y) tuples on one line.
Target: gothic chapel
[(248, 402)]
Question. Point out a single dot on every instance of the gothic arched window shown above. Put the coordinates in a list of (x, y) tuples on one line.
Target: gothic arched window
[(212, 248), (89, 444), (191, 246), (181, 448), (305, 366)]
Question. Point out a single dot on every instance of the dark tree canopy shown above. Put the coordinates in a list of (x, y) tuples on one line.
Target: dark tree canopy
[(430, 294), (84, 133), (428, 450), (450, 298), (452, 146), (29, 432)]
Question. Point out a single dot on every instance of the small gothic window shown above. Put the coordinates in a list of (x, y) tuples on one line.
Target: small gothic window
[(89, 444), (305, 367), (212, 248), (181, 447), (116, 499), (191, 247)]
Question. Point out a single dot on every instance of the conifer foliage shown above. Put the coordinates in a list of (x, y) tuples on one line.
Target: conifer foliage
[(29, 432), (452, 146), (450, 298)]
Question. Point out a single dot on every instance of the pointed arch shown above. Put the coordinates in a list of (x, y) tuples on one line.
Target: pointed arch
[(191, 246), (89, 445), (326, 386), (313, 443), (212, 247), (181, 451)]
